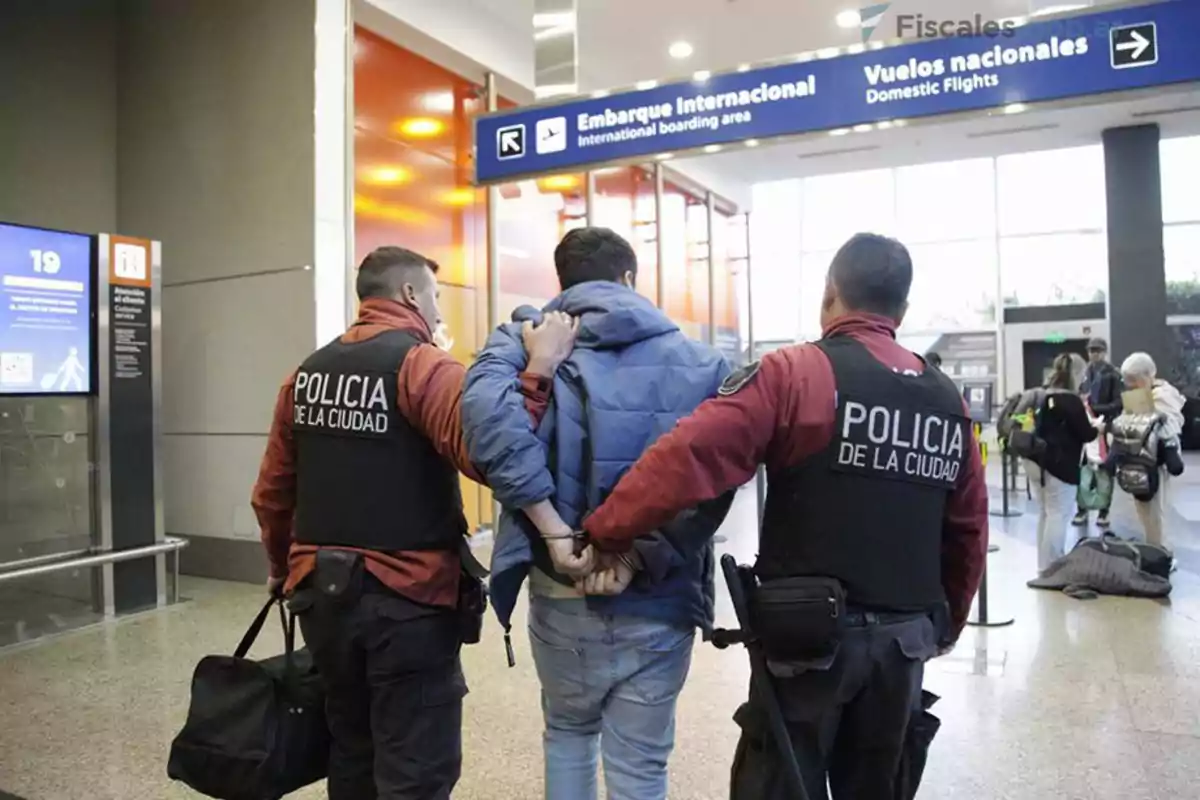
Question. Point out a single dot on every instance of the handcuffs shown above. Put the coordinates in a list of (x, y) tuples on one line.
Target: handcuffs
[(581, 542)]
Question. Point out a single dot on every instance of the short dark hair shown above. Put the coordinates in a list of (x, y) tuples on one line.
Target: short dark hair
[(934, 358), (593, 254), (873, 274), (386, 269)]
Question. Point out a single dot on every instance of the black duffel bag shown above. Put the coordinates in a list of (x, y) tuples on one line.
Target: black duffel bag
[(255, 729)]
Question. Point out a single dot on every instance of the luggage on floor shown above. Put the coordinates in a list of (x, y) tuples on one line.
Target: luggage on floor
[(255, 729), (1109, 564)]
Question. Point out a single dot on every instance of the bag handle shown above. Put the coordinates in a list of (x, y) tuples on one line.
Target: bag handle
[(256, 628)]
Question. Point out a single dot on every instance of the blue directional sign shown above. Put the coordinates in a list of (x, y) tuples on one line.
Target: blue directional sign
[(1128, 48)]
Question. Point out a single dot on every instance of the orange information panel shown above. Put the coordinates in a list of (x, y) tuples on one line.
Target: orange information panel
[(129, 261)]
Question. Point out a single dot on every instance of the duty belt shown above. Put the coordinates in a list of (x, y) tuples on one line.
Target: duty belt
[(863, 619)]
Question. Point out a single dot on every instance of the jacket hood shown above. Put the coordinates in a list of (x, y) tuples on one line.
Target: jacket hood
[(611, 315), (1168, 399)]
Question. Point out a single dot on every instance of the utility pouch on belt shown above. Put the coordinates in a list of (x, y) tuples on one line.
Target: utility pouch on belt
[(339, 575), (799, 618), (472, 597)]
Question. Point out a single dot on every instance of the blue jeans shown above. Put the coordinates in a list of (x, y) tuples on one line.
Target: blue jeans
[(609, 686)]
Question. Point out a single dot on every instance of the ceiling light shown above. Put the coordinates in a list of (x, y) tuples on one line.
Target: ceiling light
[(862, 128), (420, 127), (664, 156), (1057, 8), (1015, 108), (712, 148), (884, 125), (386, 176), (643, 85), (802, 57), (743, 67), (849, 19), (681, 50), (899, 123), (856, 48), (829, 52), (839, 131), (558, 183), (461, 196), (751, 143), (600, 93), (701, 76), (874, 45)]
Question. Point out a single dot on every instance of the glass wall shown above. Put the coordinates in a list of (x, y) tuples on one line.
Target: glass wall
[(1180, 164), (1032, 223)]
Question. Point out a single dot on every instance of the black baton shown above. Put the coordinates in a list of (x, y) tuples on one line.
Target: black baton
[(760, 676)]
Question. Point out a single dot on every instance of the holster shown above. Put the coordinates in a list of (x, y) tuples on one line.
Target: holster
[(798, 619), (338, 575), (472, 597)]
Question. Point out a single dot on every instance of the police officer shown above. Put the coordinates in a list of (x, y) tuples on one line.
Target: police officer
[(876, 507), (361, 516)]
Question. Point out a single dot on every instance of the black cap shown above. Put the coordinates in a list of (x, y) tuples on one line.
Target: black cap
[(1097, 344)]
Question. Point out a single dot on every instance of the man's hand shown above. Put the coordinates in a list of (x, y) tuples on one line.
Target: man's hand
[(549, 343), (613, 575), (275, 586), (566, 560)]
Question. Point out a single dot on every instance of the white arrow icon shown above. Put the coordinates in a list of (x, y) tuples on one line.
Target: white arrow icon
[(1138, 45), (510, 141)]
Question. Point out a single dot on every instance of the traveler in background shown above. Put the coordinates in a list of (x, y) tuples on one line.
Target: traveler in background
[(1102, 390), (610, 668), (358, 501), (901, 528), (1140, 372), (1063, 426), (934, 359)]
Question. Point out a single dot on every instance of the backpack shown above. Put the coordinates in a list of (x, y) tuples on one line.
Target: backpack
[(1134, 454), (1151, 559), (1018, 432), (1005, 421)]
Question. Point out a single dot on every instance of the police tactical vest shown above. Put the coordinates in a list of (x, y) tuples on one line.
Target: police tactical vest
[(868, 510), (365, 477)]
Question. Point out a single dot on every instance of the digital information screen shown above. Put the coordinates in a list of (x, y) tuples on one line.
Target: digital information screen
[(45, 311)]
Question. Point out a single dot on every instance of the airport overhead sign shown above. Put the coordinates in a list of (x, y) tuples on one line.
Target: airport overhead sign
[(1128, 48)]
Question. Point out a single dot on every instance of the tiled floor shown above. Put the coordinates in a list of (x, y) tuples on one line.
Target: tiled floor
[(1094, 700)]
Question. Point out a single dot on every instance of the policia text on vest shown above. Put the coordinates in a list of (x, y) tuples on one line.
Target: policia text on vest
[(926, 448), (352, 404)]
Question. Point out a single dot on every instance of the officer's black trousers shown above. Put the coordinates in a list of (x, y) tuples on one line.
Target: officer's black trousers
[(847, 717), (395, 688)]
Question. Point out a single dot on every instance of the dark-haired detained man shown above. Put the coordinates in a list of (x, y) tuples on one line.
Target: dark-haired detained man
[(358, 502), (874, 482), (611, 668)]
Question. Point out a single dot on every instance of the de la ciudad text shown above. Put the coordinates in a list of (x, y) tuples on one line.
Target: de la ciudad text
[(959, 74)]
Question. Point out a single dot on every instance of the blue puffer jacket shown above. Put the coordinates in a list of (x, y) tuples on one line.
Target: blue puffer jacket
[(632, 376)]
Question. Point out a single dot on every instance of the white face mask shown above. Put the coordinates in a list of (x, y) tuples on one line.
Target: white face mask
[(442, 338)]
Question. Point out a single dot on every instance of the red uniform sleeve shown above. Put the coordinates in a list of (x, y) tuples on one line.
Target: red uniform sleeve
[(965, 539), (717, 448), (429, 395), (536, 390), (274, 495)]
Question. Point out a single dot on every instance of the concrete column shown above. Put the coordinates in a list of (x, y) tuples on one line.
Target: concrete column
[(1137, 287)]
